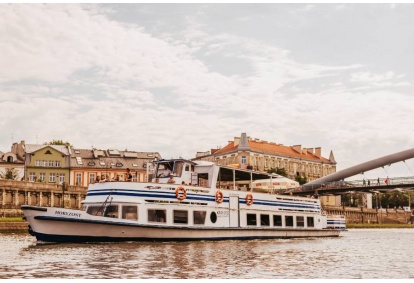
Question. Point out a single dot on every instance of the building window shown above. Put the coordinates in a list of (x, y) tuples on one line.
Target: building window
[(180, 216), (130, 212), (78, 179), (62, 177), (44, 163), (251, 219), (38, 163), (157, 215), (42, 177), (92, 177), (32, 177), (277, 220), (243, 160), (289, 221), (264, 220), (135, 177), (265, 163), (300, 221), (57, 163), (52, 177), (51, 163), (199, 217)]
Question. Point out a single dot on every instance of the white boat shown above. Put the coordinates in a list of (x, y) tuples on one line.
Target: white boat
[(204, 203)]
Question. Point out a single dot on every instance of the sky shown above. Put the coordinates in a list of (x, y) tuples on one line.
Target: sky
[(183, 78)]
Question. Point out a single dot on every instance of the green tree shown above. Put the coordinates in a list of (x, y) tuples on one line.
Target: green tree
[(10, 174), (279, 171), (301, 180), (57, 142)]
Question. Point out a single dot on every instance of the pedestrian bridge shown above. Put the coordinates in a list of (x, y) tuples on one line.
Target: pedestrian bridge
[(336, 183)]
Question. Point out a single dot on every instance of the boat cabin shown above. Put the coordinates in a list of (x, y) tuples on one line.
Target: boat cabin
[(209, 175)]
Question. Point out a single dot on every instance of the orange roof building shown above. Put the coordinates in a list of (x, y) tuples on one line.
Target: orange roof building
[(249, 153)]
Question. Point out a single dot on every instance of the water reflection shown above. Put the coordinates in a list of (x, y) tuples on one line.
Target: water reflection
[(357, 254)]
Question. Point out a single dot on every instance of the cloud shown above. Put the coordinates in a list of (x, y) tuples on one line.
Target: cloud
[(77, 73)]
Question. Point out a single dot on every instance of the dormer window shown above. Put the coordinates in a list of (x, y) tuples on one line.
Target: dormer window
[(48, 152), (9, 159)]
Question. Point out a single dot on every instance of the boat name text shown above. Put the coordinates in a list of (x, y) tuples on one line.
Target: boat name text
[(67, 213)]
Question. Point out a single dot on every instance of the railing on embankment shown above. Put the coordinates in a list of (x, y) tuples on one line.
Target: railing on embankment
[(13, 194), (366, 215)]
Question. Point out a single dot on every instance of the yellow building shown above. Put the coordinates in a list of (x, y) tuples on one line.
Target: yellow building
[(249, 153), (45, 163)]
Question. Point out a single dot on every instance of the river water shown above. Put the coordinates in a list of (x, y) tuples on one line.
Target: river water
[(357, 253)]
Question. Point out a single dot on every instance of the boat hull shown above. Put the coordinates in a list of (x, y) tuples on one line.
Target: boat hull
[(76, 226)]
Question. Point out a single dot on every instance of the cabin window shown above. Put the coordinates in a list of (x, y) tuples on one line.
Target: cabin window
[(300, 221), (178, 168), (130, 212), (180, 216), (310, 221), (95, 210), (277, 220), (111, 211), (264, 220), (199, 217), (289, 221), (251, 219), (157, 215), (213, 217)]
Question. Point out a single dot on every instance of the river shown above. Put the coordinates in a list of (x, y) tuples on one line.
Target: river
[(357, 253)]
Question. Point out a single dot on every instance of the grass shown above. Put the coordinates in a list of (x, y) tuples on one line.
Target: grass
[(11, 219), (382, 225)]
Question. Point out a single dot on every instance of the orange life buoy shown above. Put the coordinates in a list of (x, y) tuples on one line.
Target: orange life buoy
[(180, 193), (249, 199), (219, 196)]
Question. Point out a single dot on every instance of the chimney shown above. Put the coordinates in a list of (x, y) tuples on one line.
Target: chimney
[(318, 152), (244, 143), (297, 148), (236, 141), (311, 150)]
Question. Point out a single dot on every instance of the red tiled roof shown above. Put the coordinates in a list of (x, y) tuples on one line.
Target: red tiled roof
[(271, 148)]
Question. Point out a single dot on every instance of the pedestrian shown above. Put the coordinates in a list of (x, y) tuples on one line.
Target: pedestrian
[(378, 183), (369, 183), (128, 176)]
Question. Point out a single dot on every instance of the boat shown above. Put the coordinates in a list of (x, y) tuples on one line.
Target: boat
[(184, 200)]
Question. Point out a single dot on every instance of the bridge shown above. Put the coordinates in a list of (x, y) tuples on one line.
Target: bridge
[(336, 184)]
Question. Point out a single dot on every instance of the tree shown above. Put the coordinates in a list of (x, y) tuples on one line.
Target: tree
[(57, 142), (301, 180), (10, 174), (279, 171)]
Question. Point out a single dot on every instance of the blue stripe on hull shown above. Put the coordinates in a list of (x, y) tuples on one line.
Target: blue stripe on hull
[(171, 195)]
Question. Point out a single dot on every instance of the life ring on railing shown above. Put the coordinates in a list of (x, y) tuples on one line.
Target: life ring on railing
[(249, 199), (180, 193), (219, 196)]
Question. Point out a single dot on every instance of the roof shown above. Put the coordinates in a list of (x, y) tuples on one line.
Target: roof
[(272, 148), (29, 148), (85, 158)]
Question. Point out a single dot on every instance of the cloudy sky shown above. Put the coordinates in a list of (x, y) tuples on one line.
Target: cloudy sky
[(182, 78)]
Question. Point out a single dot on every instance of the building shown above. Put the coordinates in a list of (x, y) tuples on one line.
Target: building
[(63, 163), (87, 164), (250, 153), (44, 163), (10, 162)]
